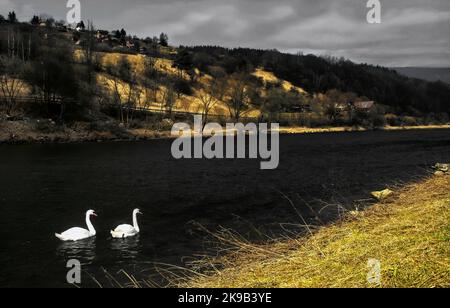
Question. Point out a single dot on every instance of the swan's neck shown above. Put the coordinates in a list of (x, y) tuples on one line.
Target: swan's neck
[(135, 223), (90, 226)]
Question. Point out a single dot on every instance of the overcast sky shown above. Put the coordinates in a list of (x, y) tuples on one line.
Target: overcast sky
[(412, 32)]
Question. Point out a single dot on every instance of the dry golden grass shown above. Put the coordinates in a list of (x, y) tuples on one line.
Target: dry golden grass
[(441, 126), (310, 130), (340, 129), (269, 77), (408, 233), (186, 103), (138, 61)]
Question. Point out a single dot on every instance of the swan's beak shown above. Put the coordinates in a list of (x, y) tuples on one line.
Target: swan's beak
[(95, 215), (140, 213)]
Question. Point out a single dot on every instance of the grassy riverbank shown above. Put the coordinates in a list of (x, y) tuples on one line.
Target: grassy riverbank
[(308, 130), (46, 131), (408, 233)]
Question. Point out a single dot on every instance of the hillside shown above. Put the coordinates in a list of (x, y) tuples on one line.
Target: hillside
[(98, 76), (187, 102), (425, 73), (321, 74)]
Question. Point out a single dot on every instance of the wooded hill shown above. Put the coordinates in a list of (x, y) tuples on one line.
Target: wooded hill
[(320, 74), (87, 74)]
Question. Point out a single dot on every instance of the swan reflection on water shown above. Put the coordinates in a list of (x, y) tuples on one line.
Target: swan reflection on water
[(84, 250), (127, 248)]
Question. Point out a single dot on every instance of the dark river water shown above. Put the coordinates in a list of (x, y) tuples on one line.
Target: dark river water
[(47, 188)]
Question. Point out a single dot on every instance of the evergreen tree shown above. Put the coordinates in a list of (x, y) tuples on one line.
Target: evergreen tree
[(81, 25), (12, 17), (35, 20), (183, 61), (164, 39)]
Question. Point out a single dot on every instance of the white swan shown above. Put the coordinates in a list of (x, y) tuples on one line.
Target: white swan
[(124, 231), (76, 234)]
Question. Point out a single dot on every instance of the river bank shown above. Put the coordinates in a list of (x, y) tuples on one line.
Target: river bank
[(25, 132), (399, 242), (308, 130), (46, 131)]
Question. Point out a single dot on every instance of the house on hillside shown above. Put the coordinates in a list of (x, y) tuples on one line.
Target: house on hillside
[(299, 108), (62, 28), (364, 106), (143, 50), (129, 44), (102, 36), (341, 107)]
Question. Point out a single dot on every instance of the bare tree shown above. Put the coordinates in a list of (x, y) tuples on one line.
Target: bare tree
[(10, 82), (115, 83), (88, 48), (210, 96), (238, 98), (169, 98), (149, 81), (53, 75), (17, 43), (123, 79)]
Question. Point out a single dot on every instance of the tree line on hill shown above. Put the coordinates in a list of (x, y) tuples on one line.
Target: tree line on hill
[(43, 62), (37, 58), (320, 74), (42, 59)]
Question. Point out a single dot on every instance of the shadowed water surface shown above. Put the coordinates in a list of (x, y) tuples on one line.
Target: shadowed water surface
[(47, 188)]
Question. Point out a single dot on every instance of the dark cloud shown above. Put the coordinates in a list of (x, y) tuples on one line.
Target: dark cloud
[(412, 33)]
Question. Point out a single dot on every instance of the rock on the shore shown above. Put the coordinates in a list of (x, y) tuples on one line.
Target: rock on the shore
[(383, 194), (441, 169)]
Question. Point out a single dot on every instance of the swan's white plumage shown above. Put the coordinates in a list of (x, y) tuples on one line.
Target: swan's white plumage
[(125, 230), (77, 234), (74, 234)]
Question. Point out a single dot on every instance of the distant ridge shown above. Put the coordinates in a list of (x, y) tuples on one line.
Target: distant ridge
[(425, 73)]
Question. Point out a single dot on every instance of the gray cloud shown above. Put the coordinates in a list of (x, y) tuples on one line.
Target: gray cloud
[(412, 33)]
